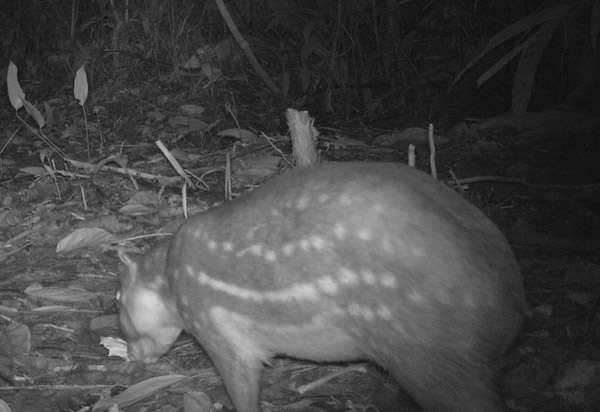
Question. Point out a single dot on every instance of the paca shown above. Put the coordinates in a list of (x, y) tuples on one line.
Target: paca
[(338, 262)]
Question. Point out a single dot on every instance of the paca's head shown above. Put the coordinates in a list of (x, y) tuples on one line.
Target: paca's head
[(147, 316)]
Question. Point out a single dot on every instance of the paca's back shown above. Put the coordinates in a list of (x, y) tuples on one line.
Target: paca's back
[(345, 262)]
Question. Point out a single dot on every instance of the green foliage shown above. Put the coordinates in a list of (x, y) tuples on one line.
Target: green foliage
[(532, 36), (340, 56)]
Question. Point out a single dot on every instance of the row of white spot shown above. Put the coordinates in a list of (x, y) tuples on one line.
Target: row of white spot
[(311, 291)]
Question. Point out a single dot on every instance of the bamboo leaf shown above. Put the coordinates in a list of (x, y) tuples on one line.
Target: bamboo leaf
[(523, 25), (504, 61), (527, 67)]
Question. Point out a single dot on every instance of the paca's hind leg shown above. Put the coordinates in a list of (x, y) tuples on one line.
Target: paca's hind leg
[(445, 384)]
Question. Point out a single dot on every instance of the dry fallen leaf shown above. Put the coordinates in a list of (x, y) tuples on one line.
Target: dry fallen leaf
[(85, 237), (56, 294), (139, 391)]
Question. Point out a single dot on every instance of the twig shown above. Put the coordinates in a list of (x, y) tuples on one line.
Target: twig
[(241, 41), (432, 164), (174, 181), (521, 181)]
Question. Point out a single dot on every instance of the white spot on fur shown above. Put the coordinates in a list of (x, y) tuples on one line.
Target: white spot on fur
[(230, 289), (368, 277), (184, 300), (397, 326), (346, 200), (305, 245), (256, 249), (227, 246), (201, 275), (384, 312), (347, 277), (302, 203), (328, 285), (354, 309), (212, 245), (318, 242), (270, 256), (340, 231), (367, 313), (189, 270), (299, 291), (389, 280), (288, 249), (365, 234), (415, 297)]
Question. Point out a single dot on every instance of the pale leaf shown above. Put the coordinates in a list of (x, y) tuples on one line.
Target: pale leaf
[(144, 198), (15, 93), (192, 110), (192, 63), (9, 217), (7, 309), (116, 347), (52, 308), (213, 73), (186, 124), (244, 135), (137, 210), (80, 87), (35, 113), (86, 237), (56, 294), (139, 391), (196, 402), (34, 171), (15, 339)]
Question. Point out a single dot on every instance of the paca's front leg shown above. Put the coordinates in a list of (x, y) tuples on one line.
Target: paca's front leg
[(241, 373)]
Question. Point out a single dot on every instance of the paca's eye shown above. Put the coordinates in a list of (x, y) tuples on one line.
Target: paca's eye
[(118, 295)]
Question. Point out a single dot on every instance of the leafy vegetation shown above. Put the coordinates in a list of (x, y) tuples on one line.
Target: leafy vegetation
[(343, 57)]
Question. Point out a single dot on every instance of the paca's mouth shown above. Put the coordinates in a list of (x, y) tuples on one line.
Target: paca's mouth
[(145, 350)]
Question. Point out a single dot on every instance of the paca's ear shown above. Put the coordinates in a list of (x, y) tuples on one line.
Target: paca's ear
[(128, 261)]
